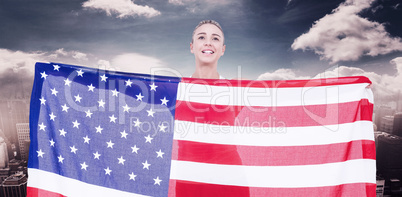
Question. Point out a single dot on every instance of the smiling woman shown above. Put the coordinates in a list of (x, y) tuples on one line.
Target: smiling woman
[(208, 46)]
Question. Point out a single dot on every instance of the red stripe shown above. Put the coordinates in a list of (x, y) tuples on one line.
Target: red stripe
[(284, 116), (272, 155), (187, 188), (35, 192), (279, 83)]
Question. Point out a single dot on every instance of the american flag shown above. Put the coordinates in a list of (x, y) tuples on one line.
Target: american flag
[(102, 133)]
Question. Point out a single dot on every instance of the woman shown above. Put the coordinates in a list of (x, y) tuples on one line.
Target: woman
[(208, 46)]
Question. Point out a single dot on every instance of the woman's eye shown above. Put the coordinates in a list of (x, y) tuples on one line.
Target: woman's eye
[(201, 38), (217, 39)]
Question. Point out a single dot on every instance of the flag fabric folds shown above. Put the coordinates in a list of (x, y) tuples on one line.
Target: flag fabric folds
[(103, 133)]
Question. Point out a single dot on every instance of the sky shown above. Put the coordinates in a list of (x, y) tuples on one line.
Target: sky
[(265, 40)]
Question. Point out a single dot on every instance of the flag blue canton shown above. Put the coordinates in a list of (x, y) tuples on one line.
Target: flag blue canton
[(110, 129)]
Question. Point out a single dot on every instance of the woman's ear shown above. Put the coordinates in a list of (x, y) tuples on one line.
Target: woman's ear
[(223, 49), (191, 47)]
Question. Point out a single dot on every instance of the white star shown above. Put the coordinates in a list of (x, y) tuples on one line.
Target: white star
[(153, 87), (160, 153), (107, 171), (52, 143), (135, 149), (42, 127), (52, 116), (65, 108), (99, 129), (124, 134), (157, 181), (150, 112), (40, 153), (162, 127), (62, 132), (88, 113), (110, 144), (115, 92), (132, 176), (103, 77), (80, 73), (67, 82), (76, 124), (164, 101), (128, 82), (54, 91), (139, 97), (42, 101), (43, 75), (73, 149), (126, 108), (84, 166), (101, 103), (112, 118), (146, 165), (60, 159), (91, 88), (96, 155), (148, 139), (78, 98), (86, 139), (137, 123), (56, 67), (121, 160)]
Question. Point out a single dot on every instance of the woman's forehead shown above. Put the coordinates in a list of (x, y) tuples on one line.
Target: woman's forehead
[(209, 29)]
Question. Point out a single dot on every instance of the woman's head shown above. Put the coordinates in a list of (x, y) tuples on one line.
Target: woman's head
[(207, 43), (212, 22)]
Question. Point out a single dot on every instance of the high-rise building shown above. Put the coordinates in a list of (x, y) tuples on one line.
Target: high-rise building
[(397, 125), (3, 154), (380, 112), (13, 111), (387, 123), (23, 137), (15, 185)]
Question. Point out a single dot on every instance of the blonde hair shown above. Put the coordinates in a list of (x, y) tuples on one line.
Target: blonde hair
[(212, 22)]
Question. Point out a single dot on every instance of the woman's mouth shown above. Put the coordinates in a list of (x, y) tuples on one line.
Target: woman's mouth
[(208, 51)]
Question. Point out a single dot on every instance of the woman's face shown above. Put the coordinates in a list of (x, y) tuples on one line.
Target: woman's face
[(207, 45)]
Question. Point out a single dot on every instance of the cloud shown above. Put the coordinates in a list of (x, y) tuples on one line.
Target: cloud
[(133, 62), (385, 87), (122, 8), (16, 72), (343, 35), (281, 74), (200, 6)]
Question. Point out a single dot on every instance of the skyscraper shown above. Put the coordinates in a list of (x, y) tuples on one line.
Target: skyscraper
[(23, 138)]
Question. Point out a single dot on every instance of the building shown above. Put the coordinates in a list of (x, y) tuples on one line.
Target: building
[(23, 138), (387, 123), (13, 111), (15, 185)]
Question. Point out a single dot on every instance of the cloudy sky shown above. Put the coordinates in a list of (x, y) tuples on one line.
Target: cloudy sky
[(281, 39)]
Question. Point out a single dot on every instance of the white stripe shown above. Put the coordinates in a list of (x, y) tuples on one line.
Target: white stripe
[(70, 187), (247, 96), (277, 136), (331, 174)]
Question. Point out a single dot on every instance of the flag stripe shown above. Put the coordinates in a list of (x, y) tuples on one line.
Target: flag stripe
[(280, 83), (315, 115), (35, 192), (351, 171), (54, 183), (268, 97), (188, 188), (274, 156), (257, 136)]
